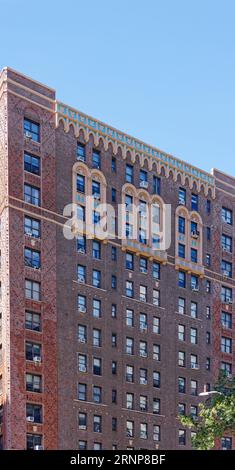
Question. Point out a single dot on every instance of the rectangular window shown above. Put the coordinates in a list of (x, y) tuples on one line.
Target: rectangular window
[(82, 363), (31, 194), (96, 308), (32, 227), (81, 244), (226, 367), (81, 183), (129, 317), (143, 179), (82, 333), (181, 384), (143, 431), (129, 261), (156, 325), (33, 352), (81, 154), (143, 376), (143, 293), (81, 303), (194, 202), (97, 394), (227, 216), (156, 352), (113, 253), (130, 374), (143, 349), (193, 387), (208, 206), (129, 346), (226, 243), (81, 271), (181, 409), (96, 278), (97, 368), (226, 345), (130, 429), (31, 130), (114, 311), (156, 433), (143, 265), (193, 255), (82, 421), (181, 250), (96, 159), (113, 165), (193, 335), (143, 322), (181, 332), (32, 258), (226, 269), (226, 320), (193, 309), (226, 443), (181, 305), (32, 290), (32, 321), (226, 295), (31, 163), (182, 437), (33, 413), (33, 383), (156, 185), (182, 196), (182, 279), (194, 283), (82, 392), (181, 359), (96, 337), (208, 233), (156, 379), (34, 441), (156, 406), (96, 249), (181, 225), (156, 297), (129, 174), (156, 270), (129, 289)]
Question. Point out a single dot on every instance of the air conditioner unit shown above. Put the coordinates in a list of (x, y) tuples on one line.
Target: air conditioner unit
[(82, 368), (30, 419), (37, 359), (81, 250), (82, 340), (82, 427), (28, 135), (144, 184), (143, 354), (194, 234), (143, 270), (96, 196), (194, 366), (226, 273), (195, 289), (143, 381), (36, 267), (143, 328), (143, 408), (129, 434), (81, 279), (28, 234), (82, 309), (80, 158), (38, 447)]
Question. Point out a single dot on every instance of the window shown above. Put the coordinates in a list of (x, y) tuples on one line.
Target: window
[(156, 432), (181, 359), (208, 259), (226, 295), (226, 367), (208, 337), (97, 366), (143, 293), (32, 321), (82, 392), (82, 363), (156, 325), (182, 196), (113, 253), (181, 332), (81, 155), (114, 424), (182, 279), (129, 346), (81, 244), (208, 206), (114, 340), (143, 322), (143, 177), (181, 384), (156, 270), (181, 250), (143, 403), (96, 159), (193, 387), (32, 290), (226, 268), (181, 409), (194, 202), (130, 429), (34, 441), (114, 282), (81, 273), (193, 361), (96, 310), (156, 379), (156, 297), (113, 192), (143, 376), (143, 265), (97, 427), (32, 227), (81, 213), (113, 165), (34, 412), (82, 303), (114, 367), (33, 383), (32, 130), (226, 243), (96, 337), (32, 195), (97, 394), (226, 320), (182, 437), (130, 401), (81, 183), (181, 225), (82, 333), (156, 352), (129, 261), (31, 163), (114, 311), (129, 174), (226, 443), (193, 335), (32, 258), (181, 305), (82, 421), (143, 349), (227, 216), (96, 278), (194, 229), (114, 396), (156, 185), (156, 406), (208, 313), (130, 374), (129, 289), (208, 287), (208, 363), (226, 345), (82, 445), (194, 282), (208, 233), (32, 351), (143, 431), (193, 255), (129, 317), (193, 309)]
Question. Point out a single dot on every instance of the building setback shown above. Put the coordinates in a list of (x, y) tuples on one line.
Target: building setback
[(103, 343)]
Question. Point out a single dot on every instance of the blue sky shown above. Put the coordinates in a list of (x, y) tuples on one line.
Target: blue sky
[(163, 71)]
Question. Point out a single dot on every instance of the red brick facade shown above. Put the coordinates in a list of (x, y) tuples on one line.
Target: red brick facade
[(22, 98)]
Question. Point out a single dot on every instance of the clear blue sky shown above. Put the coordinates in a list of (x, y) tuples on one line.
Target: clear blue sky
[(161, 70)]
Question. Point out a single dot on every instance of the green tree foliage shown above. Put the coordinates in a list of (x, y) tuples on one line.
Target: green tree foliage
[(216, 415)]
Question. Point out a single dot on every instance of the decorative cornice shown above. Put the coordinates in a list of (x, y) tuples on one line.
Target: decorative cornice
[(78, 120)]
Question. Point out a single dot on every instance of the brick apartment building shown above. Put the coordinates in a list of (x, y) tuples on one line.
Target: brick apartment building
[(104, 342)]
